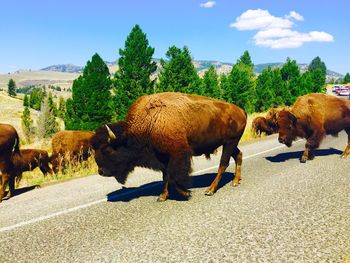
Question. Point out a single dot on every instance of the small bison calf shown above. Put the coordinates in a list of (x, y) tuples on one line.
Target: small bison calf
[(25, 160), (28, 160), (260, 125)]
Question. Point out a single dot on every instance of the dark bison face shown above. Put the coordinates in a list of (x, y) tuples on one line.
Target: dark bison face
[(286, 127), (111, 153)]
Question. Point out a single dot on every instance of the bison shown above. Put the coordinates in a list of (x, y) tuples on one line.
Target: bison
[(70, 145), (272, 117), (260, 125), (9, 145), (163, 131), (313, 116), (28, 160)]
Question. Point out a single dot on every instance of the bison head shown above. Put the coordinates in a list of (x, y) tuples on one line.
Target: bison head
[(287, 127), (112, 153)]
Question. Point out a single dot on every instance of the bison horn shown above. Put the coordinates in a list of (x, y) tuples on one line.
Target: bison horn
[(110, 133)]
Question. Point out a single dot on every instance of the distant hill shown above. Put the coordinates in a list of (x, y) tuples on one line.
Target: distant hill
[(68, 68)]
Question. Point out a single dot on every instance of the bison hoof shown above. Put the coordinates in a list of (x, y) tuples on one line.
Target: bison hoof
[(209, 193), (161, 199), (303, 160)]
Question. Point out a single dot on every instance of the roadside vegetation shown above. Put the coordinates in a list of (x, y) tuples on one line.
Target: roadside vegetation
[(98, 97)]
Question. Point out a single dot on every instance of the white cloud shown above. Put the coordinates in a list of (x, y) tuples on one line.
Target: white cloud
[(208, 4), (259, 19), (295, 15), (275, 32)]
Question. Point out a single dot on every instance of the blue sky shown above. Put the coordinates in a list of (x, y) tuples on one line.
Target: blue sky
[(36, 34)]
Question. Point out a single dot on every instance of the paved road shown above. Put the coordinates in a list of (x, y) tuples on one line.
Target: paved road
[(283, 211)]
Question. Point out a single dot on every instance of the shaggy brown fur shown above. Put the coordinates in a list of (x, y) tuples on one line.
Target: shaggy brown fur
[(29, 160), (312, 117), (272, 117), (9, 143), (163, 131), (260, 125), (70, 146)]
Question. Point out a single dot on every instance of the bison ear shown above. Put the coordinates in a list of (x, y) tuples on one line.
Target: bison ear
[(292, 118), (111, 135)]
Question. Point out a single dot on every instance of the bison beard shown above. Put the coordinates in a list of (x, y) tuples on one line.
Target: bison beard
[(163, 131)]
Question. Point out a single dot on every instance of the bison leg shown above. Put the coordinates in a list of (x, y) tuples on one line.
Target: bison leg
[(4, 180), (165, 194), (179, 167), (312, 143), (238, 156), (347, 149), (11, 186), (224, 162)]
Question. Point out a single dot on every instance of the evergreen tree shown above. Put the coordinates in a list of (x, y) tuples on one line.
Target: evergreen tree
[(245, 59), (61, 108), (179, 73), (318, 71), (133, 78), (26, 101), (36, 97), (27, 124), (282, 95), (291, 75), (211, 84), (11, 88), (306, 83), (240, 87), (265, 93), (91, 103), (346, 79), (52, 104), (47, 124)]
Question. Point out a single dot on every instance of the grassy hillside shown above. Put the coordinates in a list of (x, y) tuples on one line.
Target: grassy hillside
[(40, 77)]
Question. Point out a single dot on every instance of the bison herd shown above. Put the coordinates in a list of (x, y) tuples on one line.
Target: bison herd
[(163, 131)]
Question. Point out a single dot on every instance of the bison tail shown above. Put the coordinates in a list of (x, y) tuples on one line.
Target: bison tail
[(16, 145)]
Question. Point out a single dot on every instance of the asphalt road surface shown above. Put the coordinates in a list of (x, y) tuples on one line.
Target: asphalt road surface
[(283, 211)]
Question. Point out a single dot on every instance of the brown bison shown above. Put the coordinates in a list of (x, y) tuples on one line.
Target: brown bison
[(312, 117), (272, 117), (260, 125), (70, 145), (163, 131), (9, 144), (29, 160)]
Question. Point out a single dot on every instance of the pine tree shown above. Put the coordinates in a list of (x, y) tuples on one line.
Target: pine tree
[(47, 124), (91, 103), (26, 101), (291, 75), (27, 124), (265, 94), (11, 88), (318, 71), (36, 97), (211, 84), (133, 78), (61, 108), (246, 59), (240, 86), (179, 73), (346, 79)]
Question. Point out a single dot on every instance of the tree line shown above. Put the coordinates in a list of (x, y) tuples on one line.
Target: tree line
[(98, 97)]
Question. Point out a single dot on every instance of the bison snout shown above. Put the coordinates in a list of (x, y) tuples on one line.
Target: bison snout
[(100, 171), (281, 140)]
